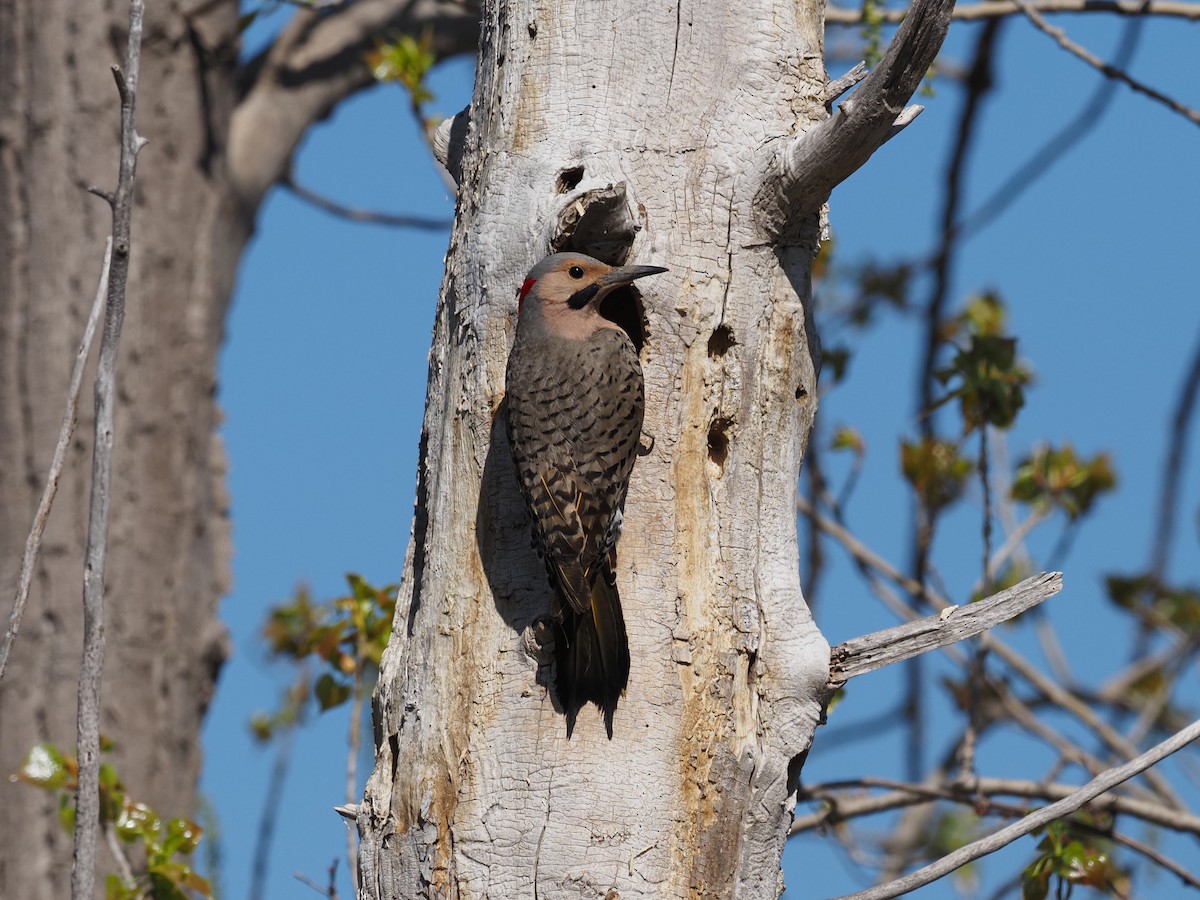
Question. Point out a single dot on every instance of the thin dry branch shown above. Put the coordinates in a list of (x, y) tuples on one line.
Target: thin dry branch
[(1030, 823), (34, 542), (1107, 69), (1181, 421), (802, 170), (899, 794), (992, 9), (366, 216), (87, 796), (900, 642), (1053, 692)]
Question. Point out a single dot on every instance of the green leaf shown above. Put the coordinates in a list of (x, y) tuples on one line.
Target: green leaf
[(992, 385), (183, 836), (46, 767), (847, 438), (1156, 601), (116, 889), (936, 471), (112, 794), (330, 692), (985, 315), (138, 822), (1057, 476), (66, 812)]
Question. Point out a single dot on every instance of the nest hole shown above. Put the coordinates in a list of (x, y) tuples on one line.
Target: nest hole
[(721, 341), (718, 441), (623, 307), (568, 179)]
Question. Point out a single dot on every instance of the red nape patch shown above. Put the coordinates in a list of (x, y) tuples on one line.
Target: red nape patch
[(525, 289)]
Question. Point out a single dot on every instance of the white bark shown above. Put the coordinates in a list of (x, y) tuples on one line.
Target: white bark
[(671, 114)]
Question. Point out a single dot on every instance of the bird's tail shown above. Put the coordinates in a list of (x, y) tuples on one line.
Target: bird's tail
[(593, 657)]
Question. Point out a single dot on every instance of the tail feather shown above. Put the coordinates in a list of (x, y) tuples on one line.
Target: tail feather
[(593, 656)]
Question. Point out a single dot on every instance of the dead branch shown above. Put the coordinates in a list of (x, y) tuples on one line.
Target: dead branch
[(840, 807), (992, 9), (1053, 692), (953, 624), (1107, 69), (1030, 823), (803, 169), (366, 216), (87, 797), (34, 542)]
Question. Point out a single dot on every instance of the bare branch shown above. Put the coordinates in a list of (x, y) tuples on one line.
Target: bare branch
[(992, 9), (87, 796), (367, 216), (840, 85), (34, 542), (892, 645), (1157, 858), (1030, 823), (1053, 692), (803, 169), (1107, 69), (1168, 494), (317, 61), (841, 807)]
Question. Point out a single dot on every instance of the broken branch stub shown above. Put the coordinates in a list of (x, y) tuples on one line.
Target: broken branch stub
[(802, 169), (955, 623)]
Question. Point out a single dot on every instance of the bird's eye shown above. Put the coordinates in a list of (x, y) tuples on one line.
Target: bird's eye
[(575, 272)]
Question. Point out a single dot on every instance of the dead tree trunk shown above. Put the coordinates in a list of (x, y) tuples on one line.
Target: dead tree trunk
[(667, 137)]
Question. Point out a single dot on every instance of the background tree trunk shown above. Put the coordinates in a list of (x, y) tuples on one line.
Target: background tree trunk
[(610, 128), (169, 543)]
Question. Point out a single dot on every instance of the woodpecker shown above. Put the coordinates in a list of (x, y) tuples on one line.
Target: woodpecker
[(575, 401)]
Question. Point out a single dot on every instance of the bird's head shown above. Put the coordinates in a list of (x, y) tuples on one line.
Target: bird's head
[(564, 291)]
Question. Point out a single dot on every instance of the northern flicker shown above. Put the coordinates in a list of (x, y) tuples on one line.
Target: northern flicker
[(574, 409)]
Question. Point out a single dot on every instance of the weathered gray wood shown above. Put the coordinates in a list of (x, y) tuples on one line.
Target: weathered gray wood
[(810, 164), (955, 623), (87, 793), (614, 127)]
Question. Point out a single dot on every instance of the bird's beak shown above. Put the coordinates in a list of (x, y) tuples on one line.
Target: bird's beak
[(625, 275)]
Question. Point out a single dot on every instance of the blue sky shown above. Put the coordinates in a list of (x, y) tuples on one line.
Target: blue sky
[(323, 378)]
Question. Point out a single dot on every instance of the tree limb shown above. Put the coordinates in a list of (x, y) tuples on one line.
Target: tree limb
[(1035, 820), (992, 9), (1053, 692), (87, 797), (900, 642), (803, 169), (1181, 420), (315, 62), (840, 807), (366, 216), (1108, 70), (34, 542)]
